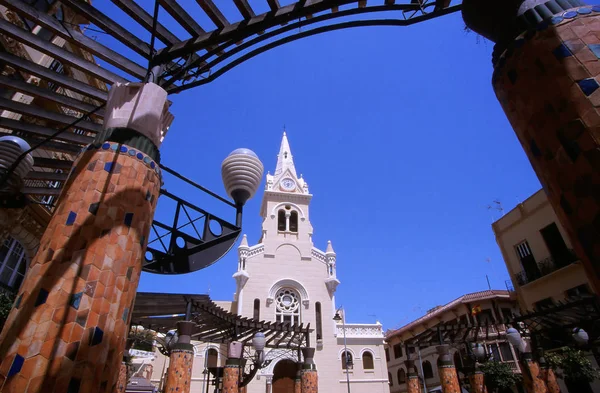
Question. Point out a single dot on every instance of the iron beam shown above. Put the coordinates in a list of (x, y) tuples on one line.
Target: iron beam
[(36, 130), (41, 191), (51, 146), (182, 17), (54, 77), (50, 176), (31, 110), (140, 15), (54, 163), (56, 52), (214, 13), (32, 90), (74, 36), (244, 8), (274, 4)]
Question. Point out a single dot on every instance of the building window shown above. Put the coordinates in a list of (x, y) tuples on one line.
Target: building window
[(256, 313), (401, 376), (387, 354), (13, 263), (411, 350), (294, 221), (281, 220), (288, 306), (212, 358), (494, 352), (319, 321), (367, 359), (557, 246), (49, 199), (527, 261), (427, 370), (397, 351), (347, 359), (579, 290), (390, 381), (505, 351)]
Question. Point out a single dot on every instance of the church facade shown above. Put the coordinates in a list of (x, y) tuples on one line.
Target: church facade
[(285, 278)]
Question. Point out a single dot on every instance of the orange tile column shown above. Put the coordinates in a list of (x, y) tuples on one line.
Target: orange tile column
[(231, 376), (298, 379), (532, 377), (477, 382), (122, 381), (181, 360), (309, 376), (549, 378), (547, 80), (68, 327), (447, 371), (412, 377)]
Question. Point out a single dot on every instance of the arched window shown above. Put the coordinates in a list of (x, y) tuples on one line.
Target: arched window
[(367, 359), (256, 314), (294, 221), (319, 321), (401, 375), (13, 263), (390, 381), (281, 220), (288, 306), (212, 357), (347, 359), (427, 370)]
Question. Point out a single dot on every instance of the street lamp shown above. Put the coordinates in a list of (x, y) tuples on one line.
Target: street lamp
[(514, 337), (580, 336), (338, 318), (479, 352)]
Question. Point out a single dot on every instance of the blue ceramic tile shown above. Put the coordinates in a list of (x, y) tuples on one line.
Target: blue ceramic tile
[(114, 147), (543, 25), (139, 156), (128, 219), (71, 218), (584, 11), (96, 336), (588, 86), (16, 365), (595, 48), (131, 152), (147, 160), (108, 166), (562, 51), (152, 164), (106, 146), (125, 314), (94, 207), (123, 149), (76, 300), (570, 14), (41, 297)]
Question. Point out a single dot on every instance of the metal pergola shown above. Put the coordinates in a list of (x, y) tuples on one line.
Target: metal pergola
[(67, 113)]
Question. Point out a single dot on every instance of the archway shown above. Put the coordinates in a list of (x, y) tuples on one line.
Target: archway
[(284, 374)]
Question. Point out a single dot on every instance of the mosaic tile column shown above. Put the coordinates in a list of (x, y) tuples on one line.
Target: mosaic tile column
[(298, 379), (122, 380), (547, 82), (310, 381), (231, 376), (412, 377), (547, 374), (532, 377), (477, 382), (181, 360), (447, 371), (68, 327)]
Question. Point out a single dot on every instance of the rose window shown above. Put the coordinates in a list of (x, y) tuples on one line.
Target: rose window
[(288, 306)]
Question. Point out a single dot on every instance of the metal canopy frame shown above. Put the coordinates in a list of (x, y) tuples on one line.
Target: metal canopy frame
[(161, 312), (67, 112)]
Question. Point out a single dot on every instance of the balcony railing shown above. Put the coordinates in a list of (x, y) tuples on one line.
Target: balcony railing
[(545, 267)]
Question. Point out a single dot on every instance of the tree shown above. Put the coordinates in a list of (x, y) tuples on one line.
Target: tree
[(575, 368), (498, 376), (6, 303), (142, 339)]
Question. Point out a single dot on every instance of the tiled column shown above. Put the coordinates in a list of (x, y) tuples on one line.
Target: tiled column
[(122, 381), (477, 382), (68, 328), (309, 377), (447, 371), (412, 377), (531, 375), (550, 380), (547, 80), (231, 376), (298, 379), (181, 360)]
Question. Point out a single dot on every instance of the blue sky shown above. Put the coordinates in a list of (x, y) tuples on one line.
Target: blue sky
[(403, 144)]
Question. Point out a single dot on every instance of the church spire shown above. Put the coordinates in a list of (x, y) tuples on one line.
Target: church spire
[(285, 159)]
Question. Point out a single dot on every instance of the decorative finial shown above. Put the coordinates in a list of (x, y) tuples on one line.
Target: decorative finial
[(284, 130)]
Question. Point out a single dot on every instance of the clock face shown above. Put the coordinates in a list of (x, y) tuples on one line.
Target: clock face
[(288, 184)]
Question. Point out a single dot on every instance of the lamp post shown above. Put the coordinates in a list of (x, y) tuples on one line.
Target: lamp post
[(338, 318)]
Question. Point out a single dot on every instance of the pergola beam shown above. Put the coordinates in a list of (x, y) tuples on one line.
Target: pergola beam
[(140, 15), (244, 8), (214, 13), (182, 17), (36, 131), (54, 163)]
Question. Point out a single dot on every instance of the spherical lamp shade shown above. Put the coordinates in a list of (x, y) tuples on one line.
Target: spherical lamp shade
[(171, 338), (514, 337), (11, 147), (259, 341), (479, 351), (241, 172), (580, 336)]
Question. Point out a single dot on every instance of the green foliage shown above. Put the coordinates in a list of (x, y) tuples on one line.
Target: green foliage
[(499, 376), (574, 365), (6, 303), (142, 339)]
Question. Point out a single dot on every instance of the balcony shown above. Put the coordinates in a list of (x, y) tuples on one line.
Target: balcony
[(545, 267)]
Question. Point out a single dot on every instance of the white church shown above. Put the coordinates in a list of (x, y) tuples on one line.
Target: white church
[(285, 278)]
